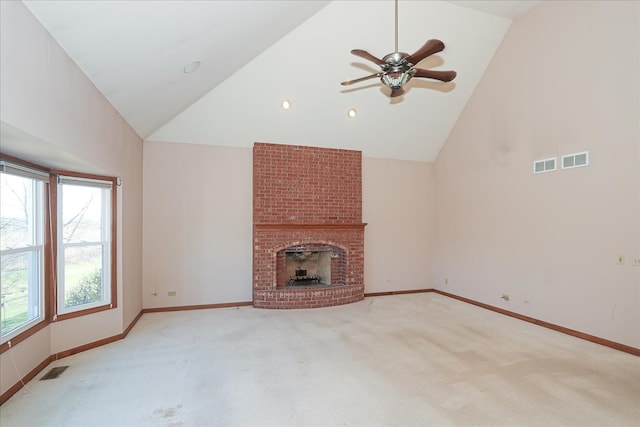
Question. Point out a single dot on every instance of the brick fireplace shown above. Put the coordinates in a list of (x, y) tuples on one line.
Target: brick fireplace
[(308, 234)]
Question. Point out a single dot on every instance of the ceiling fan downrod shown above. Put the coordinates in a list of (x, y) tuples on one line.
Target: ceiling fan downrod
[(396, 26)]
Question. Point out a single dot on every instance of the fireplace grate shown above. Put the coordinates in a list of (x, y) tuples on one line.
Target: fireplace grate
[(304, 280)]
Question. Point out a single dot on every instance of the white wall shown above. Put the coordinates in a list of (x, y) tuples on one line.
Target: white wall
[(198, 224), (45, 95), (564, 80), (398, 206)]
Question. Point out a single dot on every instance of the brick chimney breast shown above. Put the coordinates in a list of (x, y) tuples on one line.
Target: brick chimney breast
[(307, 201)]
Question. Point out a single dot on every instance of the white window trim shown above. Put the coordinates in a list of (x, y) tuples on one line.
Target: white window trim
[(37, 209), (106, 243)]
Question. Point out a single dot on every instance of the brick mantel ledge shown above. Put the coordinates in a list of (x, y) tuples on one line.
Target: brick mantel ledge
[(284, 226)]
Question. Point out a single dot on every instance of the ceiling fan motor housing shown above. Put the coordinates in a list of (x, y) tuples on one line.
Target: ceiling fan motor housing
[(396, 70)]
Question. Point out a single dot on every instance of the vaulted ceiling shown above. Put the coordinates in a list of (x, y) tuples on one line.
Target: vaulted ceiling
[(254, 54)]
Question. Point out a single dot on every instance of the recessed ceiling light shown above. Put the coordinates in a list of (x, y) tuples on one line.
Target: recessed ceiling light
[(192, 67), (352, 113), (286, 104)]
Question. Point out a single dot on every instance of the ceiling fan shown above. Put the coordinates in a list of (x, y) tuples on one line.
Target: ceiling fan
[(399, 67)]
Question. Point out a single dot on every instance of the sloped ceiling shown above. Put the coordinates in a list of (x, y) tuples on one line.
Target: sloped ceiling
[(254, 54)]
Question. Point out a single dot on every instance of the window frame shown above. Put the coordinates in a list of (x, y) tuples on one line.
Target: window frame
[(31, 327), (50, 249), (112, 300)]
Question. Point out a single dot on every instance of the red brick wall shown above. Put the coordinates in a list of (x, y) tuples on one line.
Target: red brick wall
[(306, 195), (306, 184)]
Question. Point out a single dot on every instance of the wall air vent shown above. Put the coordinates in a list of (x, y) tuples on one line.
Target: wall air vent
[(575, 160), (545, 165)]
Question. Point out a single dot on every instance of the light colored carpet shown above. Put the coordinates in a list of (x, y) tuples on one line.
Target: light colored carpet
[(403, 360)]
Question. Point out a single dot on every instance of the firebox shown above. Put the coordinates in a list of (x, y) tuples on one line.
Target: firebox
[(308, 268), (310, 265)]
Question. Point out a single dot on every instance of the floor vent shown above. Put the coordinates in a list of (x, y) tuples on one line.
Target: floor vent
[(54, 373)]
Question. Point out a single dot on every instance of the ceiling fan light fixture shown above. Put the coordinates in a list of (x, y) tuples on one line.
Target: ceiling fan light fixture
[(192, 67), (395, 80)]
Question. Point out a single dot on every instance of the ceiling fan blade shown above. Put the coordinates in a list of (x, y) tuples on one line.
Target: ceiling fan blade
[(366, 55), (429, 48), (444, 76), (350, 82), (396, 92)]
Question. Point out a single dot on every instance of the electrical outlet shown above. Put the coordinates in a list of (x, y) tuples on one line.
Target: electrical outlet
[(636, 262), (620, 259), (172, 293), (446, 280)]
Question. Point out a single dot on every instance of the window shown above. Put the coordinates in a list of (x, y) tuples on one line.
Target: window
[(85, 243), (57, 247), (22, 232)]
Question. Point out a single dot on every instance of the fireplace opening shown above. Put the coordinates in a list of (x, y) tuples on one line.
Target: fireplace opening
[(310, 265), (308, 268)]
